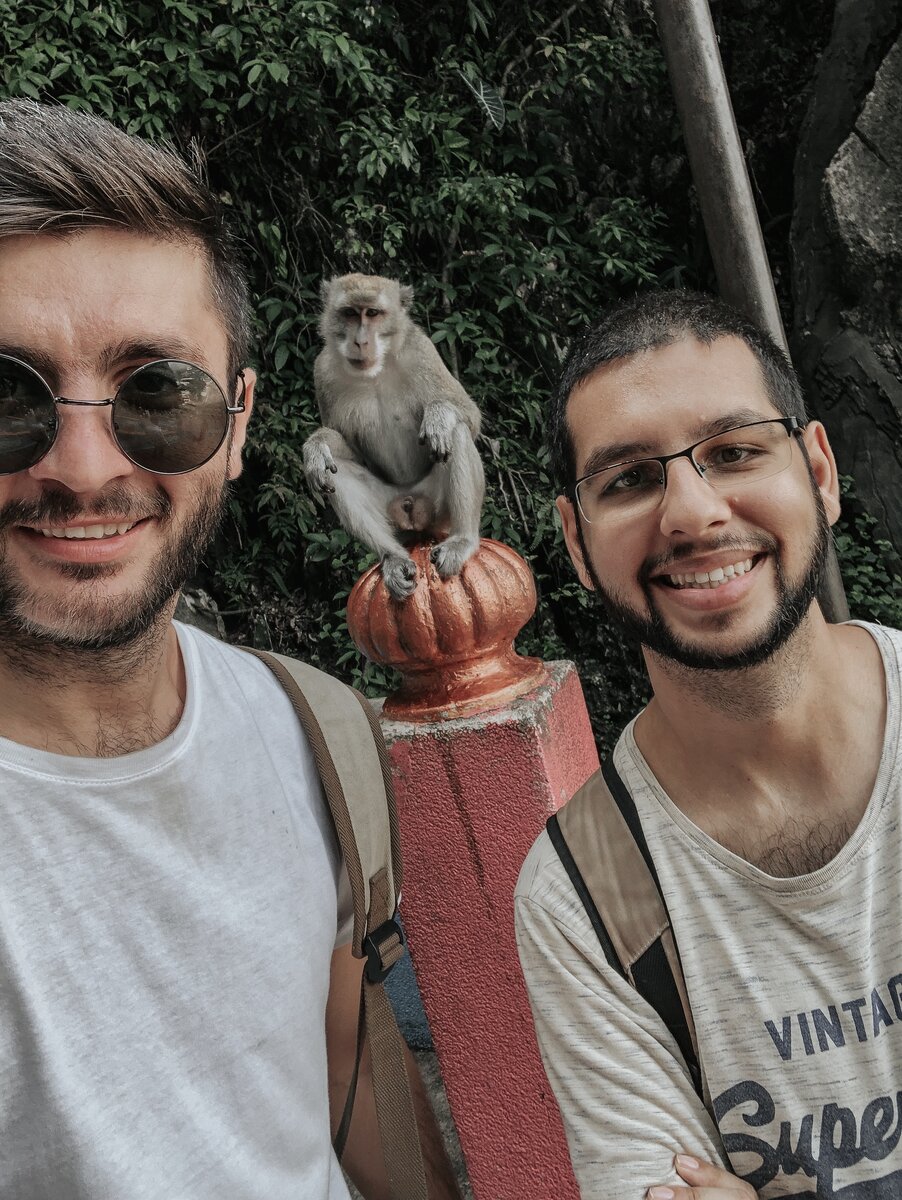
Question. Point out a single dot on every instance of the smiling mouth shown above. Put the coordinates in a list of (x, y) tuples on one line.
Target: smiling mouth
[(93, 532), (714, 578)]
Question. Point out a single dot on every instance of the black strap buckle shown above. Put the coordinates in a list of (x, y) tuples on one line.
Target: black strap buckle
[(389, 936)]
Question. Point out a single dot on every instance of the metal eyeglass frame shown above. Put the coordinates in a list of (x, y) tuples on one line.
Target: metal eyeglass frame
[(238, 406), (792, 425)]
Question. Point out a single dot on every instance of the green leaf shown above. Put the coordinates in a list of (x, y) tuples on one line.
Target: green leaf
[(489, 98)]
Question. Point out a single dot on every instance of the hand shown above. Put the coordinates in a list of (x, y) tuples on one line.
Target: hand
[(705, 1182), (439, 422), (400, 575), (319, 465)]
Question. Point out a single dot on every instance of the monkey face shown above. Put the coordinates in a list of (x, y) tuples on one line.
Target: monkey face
[(365, 333), (361, 314)]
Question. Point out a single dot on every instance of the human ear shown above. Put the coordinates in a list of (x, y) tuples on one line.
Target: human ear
[(569, 518), (239, 429), (823, 467)]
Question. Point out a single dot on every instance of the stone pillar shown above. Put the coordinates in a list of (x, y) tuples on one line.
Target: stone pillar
[(484, 745)]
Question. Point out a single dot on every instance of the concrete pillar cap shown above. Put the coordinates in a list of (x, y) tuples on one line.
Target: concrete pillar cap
[(452, 639)]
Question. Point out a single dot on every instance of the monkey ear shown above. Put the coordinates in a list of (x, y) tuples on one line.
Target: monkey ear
[(405, 293)]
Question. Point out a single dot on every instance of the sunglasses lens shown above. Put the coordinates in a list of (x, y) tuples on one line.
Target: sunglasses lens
[(27, 417), (170, 417)]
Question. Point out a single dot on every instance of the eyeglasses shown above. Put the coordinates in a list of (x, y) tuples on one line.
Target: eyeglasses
[(746, 454), (168, 416)]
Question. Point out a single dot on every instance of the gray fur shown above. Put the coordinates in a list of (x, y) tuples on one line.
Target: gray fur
[(395, 440)]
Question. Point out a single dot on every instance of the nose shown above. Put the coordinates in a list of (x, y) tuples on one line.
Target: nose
[(362, 336), (690, 506), (84, 456)]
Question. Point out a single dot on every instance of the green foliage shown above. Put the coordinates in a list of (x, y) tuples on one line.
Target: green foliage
[(473, 163), (869, 567), (498, 154)]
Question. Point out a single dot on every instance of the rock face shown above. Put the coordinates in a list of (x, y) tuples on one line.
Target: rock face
[(847, 247), (863, 189)]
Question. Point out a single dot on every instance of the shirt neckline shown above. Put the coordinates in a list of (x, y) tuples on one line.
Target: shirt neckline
[(629, 755), (73, 768)]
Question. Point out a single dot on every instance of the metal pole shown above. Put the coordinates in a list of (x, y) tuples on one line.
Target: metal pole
[(724, 193)]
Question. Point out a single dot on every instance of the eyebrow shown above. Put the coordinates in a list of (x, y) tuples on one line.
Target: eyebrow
[(621, 452), (167, 346)]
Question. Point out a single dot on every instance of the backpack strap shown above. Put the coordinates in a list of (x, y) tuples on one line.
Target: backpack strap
[(599, 839), (349, 751)]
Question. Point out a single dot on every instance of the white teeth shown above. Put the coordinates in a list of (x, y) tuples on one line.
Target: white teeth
[(713, 578), (89, 531)]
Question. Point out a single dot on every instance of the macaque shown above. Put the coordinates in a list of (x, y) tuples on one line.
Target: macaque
[(395, 454)]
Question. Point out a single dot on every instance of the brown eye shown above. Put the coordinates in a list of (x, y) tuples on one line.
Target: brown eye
[(374, 312), (349, 314)]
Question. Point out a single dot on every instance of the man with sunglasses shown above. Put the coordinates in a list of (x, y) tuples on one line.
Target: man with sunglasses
[(766, 771), (170, 908)]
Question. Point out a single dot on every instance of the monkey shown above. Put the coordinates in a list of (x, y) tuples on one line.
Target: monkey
[(395, 454)]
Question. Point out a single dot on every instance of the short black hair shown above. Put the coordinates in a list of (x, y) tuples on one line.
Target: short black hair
[(659, 318)]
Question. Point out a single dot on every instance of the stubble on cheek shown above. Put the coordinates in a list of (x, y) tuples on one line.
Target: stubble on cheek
[(81, 613), (791, 603)]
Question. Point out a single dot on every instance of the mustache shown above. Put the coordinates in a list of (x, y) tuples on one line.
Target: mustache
[(756, 544), (56, 507)]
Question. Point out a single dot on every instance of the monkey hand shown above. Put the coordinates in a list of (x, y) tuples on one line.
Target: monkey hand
[(400, 575), (319, 466), (450, 555), (439, 421)]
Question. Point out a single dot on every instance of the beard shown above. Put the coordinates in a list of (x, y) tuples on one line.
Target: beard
[(85, 618), (793, 602)]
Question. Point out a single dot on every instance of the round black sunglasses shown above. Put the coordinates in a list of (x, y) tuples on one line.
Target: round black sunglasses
[(167, 417)]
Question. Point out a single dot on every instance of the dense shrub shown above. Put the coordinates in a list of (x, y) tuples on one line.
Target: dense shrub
[(352, 136)]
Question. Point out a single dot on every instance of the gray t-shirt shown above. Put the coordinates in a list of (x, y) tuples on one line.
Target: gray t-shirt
[(795, 987), (167, 920)]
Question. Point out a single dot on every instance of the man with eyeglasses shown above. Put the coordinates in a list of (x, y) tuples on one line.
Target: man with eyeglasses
[(766, 771), (178, 997)]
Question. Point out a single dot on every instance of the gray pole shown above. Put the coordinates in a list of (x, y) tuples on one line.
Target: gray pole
[(724, 193)]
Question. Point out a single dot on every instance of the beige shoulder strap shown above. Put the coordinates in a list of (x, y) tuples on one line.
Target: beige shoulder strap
[(349, 751), (600, 842)]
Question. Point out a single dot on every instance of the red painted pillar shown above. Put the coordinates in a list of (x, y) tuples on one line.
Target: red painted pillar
[(484, 746)]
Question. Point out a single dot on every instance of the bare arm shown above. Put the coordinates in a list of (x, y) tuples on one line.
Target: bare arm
[(363, 1154)]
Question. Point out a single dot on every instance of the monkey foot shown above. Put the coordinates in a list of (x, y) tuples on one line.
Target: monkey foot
[(400, 575), (451, 554)]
